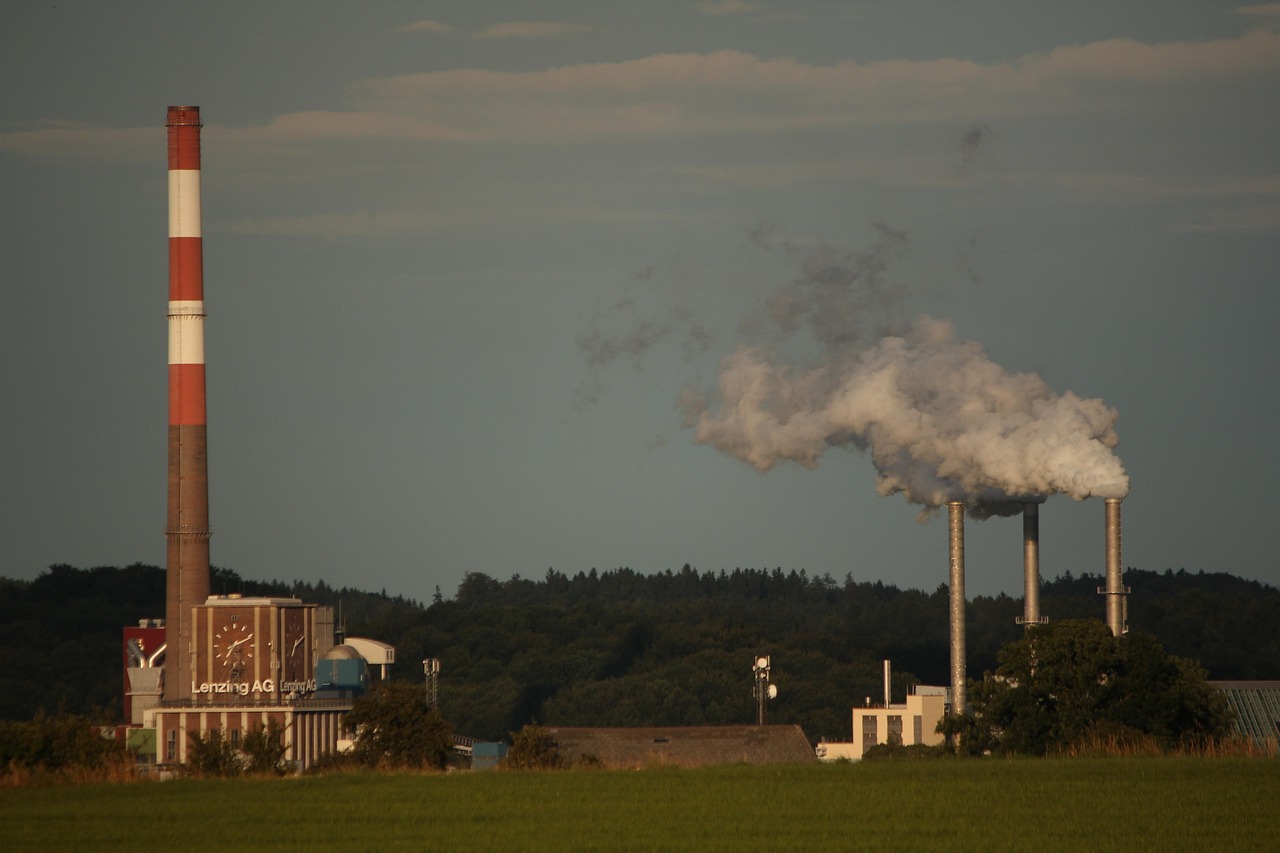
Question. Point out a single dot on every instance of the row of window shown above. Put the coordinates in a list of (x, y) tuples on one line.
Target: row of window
[(893, 730)]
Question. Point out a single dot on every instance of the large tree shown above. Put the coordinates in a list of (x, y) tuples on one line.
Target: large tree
[(1067, 681), (395, 728)]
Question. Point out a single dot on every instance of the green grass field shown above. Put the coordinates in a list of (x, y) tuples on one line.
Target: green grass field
[(1046, 804)]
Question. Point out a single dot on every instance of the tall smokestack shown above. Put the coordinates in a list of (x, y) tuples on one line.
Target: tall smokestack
[(187, 531), (1115, 591), (1031, 563), (955, 514)]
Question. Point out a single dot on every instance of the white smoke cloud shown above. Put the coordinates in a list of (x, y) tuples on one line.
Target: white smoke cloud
[(939, 419)]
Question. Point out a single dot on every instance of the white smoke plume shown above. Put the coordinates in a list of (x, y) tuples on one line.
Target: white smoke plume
[(940, 420)]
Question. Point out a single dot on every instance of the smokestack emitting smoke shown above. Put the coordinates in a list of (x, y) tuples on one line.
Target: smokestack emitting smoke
[(943, 423), (955, 523), (1031, 563), (187, 531), (1115, 590)]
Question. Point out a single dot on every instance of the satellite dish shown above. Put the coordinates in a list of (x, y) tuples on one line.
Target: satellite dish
[(773, 691), (761, 663)]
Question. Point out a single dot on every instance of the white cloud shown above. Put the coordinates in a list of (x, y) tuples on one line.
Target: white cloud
[(531, 30)]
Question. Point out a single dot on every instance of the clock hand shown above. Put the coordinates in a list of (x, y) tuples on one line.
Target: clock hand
[(231, 648)]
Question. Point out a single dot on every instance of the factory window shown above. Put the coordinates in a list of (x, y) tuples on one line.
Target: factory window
[(235, 738), (171, 746), (893, 731), (918, 726), (869, 738)]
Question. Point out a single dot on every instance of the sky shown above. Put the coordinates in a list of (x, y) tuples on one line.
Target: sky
[(504, 287)]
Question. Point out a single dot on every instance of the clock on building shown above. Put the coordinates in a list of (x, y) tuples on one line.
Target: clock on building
[(233, 649), (295, 646)]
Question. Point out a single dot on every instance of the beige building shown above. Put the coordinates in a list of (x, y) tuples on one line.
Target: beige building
[(914, 722)]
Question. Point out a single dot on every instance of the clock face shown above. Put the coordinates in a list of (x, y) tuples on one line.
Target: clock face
[(233, 649), (295, 648)]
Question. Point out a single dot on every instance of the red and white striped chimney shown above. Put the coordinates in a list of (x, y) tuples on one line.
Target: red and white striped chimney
[(187, 531)]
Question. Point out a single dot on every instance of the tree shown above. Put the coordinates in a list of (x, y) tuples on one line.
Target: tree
[(213, 755), (1071, 679), (264, 750), (532, 749), (394, 728), (58, 742)]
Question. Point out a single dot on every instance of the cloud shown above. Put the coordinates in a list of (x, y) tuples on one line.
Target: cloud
[(1126, 60), (1267, 10), (71, 141), (423, 26), (531, 30), (734, 92), (730, 92)]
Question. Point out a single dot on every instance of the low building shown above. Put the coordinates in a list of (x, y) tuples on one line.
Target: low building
[(1257, 709), (914, 722)]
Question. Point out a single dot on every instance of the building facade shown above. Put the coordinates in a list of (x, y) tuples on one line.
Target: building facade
[(914, 722)]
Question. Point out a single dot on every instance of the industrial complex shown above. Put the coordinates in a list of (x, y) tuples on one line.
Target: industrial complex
[(232, 664)]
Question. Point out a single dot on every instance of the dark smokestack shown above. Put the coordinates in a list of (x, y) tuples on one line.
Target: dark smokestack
[(955, 515), (187, 530)]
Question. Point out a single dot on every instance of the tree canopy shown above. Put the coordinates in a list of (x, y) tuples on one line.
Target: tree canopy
[(395, 728), (618, 647), (1071, 680)]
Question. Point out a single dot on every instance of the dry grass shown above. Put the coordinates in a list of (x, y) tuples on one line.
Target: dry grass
[(1130, 746), (117, 771)]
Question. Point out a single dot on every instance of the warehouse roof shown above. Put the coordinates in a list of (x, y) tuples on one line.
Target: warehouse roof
[(684, 746)]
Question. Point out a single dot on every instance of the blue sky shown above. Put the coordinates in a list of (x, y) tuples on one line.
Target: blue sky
[(463, 263)]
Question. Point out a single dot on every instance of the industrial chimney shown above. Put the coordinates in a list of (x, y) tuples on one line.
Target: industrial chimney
[(187, 531), (1114, 590), (1031, 564), (955, 515)]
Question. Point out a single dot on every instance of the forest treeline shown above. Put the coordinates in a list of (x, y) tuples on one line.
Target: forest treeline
[(621, 648)]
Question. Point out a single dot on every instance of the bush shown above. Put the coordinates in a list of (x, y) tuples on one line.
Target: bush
[(532, 749), (264, 750), (62, 744), (212, 756), (895, 751)]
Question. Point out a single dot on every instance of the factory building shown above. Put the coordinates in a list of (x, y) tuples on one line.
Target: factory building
[(911, 723)]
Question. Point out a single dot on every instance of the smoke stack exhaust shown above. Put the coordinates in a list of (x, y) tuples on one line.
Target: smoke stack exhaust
[(187, 531), (955, 515), (1114, 591), (1031, 564), (887, 691)]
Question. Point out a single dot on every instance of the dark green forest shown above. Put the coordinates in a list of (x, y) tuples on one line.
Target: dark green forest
[(621, 648)]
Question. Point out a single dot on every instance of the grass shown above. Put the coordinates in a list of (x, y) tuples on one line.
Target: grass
[(1141, 803)]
